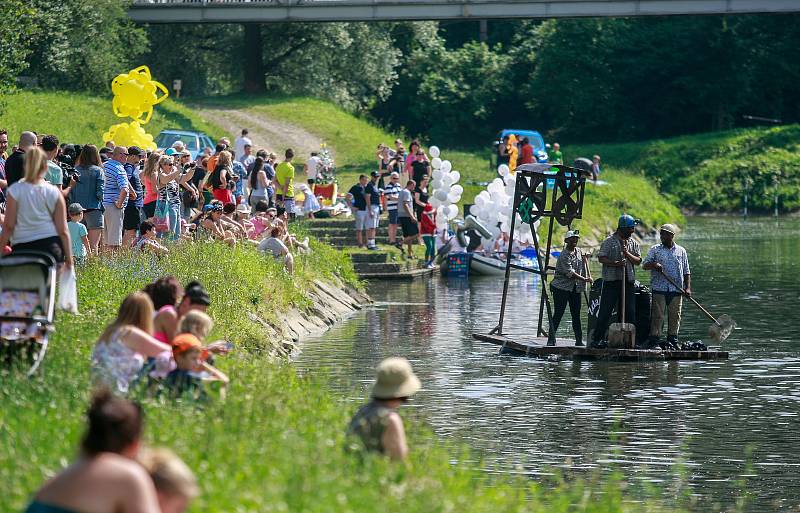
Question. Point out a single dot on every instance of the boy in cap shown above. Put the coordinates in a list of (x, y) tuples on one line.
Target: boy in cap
[(190, 358), (619, 254), (667, 259), (78, 234), (567, 286)]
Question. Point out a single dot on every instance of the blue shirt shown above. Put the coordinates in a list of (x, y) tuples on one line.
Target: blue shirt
[(115, 181), (240, 171), (77, 232), (132, 172), (88, 190), (674, 262)]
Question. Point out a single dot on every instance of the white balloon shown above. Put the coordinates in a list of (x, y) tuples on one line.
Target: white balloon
[(480, 201), (446, 166), (440, 210), (452, 211), (441, 222), (495, 231), (437, 174), (441, 195), (475, 210), (453, 198), (484, 194), (434, 151), (458, 189), (503, 169), (446, 181), (455, 176), (436, 163), (505, 227), (436, 184), (434, 201)]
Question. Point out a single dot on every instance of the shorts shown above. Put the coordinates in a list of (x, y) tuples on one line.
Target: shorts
[(132, 218), (288, 205), (51, 245), (361, 220), (149, 209), (374, 221), (93, 219), (112, 232), (392, 216), (224, 195), (410, 228)]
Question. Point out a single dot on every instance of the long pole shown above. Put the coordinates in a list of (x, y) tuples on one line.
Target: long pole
[(499, 329)]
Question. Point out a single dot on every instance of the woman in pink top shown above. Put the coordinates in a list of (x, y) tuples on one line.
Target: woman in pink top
[(148, 177), (165, 292), (412, 156)]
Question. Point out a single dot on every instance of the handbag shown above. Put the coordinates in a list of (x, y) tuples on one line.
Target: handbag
[(161, 216)]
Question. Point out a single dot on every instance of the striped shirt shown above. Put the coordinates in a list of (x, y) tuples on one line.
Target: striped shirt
[(115, 181), (392, 189)]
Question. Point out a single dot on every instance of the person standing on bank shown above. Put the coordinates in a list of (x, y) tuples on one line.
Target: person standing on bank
[(373, 197), (619, 254), (671, 260), (567, 286), (115, 197), (376, 425), (357, 198)]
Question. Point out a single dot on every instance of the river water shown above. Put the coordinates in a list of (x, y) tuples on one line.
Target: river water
[(710, 432)]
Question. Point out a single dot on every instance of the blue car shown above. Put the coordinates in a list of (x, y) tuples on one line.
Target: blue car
[(535, 138), (195, 142)]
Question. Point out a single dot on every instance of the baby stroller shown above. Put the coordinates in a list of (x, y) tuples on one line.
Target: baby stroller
[(27, 304)]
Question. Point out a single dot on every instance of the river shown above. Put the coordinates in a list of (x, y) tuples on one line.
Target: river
[(710, 432)]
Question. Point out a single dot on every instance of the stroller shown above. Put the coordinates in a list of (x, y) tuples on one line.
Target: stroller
[(27, 304)]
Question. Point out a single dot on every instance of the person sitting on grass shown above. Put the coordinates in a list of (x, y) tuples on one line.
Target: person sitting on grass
[(242, 216), (211, 225), (192, 368), (376, 426), (120, 352), (275, 246), (200, 325), (164, 293), (238, 229), (81, 249), (175, 483), (105, 477), (195, 297), (261, 220), (148, 240)]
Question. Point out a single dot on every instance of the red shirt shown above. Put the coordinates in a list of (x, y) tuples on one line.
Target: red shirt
[(428, 223), (526, 154)]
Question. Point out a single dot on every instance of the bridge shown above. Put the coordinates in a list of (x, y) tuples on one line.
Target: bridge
[(265, 11)]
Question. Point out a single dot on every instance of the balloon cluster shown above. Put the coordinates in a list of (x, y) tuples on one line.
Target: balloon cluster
[(135, 95), (493, 208), (446, 191)]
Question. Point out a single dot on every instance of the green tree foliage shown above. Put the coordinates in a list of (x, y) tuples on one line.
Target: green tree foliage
[(82, 44), (16, 33)]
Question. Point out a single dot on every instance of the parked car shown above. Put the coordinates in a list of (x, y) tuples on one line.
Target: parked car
[(535, 138), (195, 142)]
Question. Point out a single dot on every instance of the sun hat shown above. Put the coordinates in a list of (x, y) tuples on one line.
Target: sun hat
[(626, 221), (75, 208), (572, 233), (394, 379), (186, 341), (178, 144), (670, 228), (242, 208)]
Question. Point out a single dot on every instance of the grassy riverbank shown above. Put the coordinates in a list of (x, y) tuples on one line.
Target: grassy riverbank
[(276, 443), (711, 172)]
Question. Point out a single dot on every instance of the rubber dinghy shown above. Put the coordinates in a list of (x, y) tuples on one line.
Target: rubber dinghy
[(489, 265)]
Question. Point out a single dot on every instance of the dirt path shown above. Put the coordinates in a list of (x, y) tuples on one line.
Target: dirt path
[(266, 132)]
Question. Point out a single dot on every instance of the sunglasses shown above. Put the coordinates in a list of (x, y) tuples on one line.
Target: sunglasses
[(170, 164)]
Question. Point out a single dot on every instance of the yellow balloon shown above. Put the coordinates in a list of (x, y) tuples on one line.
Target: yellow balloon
[(130, 134), (136, 93)]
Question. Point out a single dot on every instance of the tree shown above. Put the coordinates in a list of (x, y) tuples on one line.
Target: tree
[(16, 35)]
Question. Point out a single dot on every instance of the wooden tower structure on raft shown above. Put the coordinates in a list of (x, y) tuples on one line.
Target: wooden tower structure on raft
[(554, 192)]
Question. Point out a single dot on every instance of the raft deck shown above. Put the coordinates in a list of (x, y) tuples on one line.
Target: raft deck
[(537, 347)]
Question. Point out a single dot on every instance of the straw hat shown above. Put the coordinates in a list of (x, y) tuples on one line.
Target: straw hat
[(671, 228), (395, 379)]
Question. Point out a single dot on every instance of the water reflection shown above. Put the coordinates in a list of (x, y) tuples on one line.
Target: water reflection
[(712, 428)]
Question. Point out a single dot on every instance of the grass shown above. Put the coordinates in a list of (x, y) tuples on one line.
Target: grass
[(82, 118), (276, 444), (711, 172)]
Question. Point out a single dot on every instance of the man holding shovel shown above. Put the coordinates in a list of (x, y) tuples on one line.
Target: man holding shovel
[(619, 253), (669, 265)]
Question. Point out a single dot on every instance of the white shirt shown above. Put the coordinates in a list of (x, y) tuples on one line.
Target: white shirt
[(274, 246), (36, 204), (312, 165), (239, 144)]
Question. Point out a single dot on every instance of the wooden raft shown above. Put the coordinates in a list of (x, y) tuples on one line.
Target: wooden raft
[(537, 347)]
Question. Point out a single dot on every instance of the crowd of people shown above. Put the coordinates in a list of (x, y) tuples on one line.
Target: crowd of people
[(78, 201)]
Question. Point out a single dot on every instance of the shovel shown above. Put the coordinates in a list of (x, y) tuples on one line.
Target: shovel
[(622, 335), (723, 325)]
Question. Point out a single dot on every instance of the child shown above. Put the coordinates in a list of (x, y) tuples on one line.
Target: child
[(78, 233), (147, 240), (428, 229), (311, 203), (261, 221), (191, 369), (175, 483)]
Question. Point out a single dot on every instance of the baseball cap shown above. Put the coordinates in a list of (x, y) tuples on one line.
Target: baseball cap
[(374, 174), (170, 152), (75, 208), (185, 342), (572, 233), (671, 228), (134, 150)]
